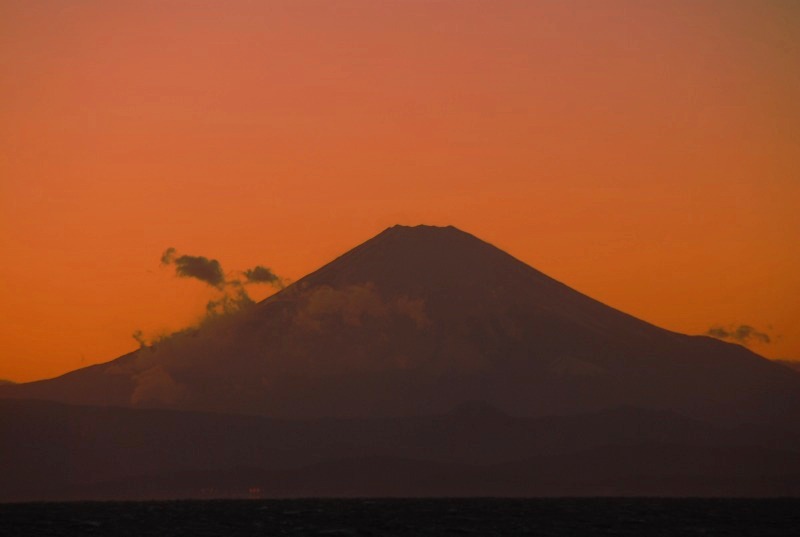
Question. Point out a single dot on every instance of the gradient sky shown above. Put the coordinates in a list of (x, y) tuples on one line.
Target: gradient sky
[(644, 153)]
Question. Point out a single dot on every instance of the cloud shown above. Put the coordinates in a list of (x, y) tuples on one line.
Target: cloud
[(233, 295), (138, 335), (353, 305), (168, 256), (742, 334), (199, 267), (195, 266), (231, 301), (210, 271), (261, 274)]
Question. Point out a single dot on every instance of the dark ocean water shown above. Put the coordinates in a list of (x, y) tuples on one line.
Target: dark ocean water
[(411, 517)]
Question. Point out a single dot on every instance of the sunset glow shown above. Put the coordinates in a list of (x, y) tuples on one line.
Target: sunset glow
[(643, 153)]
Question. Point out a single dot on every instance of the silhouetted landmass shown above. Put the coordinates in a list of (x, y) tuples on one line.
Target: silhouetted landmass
[(791, 364), (56, 451), (423, 362), (659, 470), (419, 320)]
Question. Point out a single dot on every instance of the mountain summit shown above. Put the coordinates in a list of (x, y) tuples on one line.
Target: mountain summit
[(421, 320)]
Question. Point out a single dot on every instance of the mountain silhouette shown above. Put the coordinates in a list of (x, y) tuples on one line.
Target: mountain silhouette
[(422, 362), (423, 320)]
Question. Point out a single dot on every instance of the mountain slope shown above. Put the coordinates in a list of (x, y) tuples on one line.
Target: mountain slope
[(419, 320)]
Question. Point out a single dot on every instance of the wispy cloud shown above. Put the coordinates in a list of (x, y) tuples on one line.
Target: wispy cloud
[(743, 333), (232, 295)]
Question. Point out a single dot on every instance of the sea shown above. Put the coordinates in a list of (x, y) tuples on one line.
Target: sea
[(408, 517)]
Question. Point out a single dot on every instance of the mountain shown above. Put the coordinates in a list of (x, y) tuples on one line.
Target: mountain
[(419, 320), (791, 364), (422, 362)]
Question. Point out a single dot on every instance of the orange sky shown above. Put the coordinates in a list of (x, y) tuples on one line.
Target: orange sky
[(645, 153)]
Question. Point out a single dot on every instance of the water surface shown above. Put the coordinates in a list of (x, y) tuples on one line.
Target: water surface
[(408, 517)]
